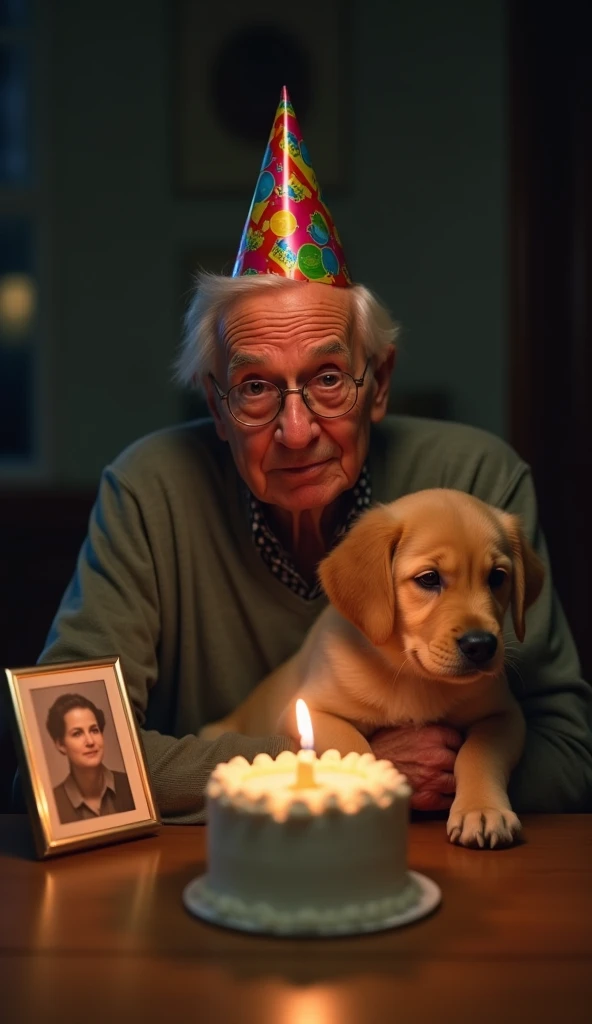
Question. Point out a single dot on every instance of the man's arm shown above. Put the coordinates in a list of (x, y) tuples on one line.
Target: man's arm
[(555, 771), (112, 607)]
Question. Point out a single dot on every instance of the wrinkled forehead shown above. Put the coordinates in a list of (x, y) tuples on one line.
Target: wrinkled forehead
[(291, 317)]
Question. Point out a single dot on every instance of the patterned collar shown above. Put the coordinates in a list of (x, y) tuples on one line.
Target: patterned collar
[(279, 562)]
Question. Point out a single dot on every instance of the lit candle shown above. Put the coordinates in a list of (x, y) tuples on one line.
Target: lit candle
[(306, 757)]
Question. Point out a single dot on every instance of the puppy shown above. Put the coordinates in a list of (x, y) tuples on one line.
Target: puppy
[(418, 592)]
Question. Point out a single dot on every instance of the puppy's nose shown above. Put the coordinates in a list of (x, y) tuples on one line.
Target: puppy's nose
[(478, 646)]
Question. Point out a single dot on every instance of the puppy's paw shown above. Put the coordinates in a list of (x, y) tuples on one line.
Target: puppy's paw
[(483, 828)]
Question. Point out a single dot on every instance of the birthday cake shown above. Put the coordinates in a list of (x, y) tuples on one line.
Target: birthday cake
[(328, 858)]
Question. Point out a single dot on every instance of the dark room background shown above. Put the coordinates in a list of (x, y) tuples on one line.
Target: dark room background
[(455, 157)]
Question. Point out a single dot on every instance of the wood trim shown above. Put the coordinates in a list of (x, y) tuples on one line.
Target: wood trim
[(550, 92)]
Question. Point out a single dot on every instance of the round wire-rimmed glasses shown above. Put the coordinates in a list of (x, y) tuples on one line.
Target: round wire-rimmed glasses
[(254, 403)]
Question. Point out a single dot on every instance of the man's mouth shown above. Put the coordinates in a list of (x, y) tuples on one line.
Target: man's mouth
[(304, 469)]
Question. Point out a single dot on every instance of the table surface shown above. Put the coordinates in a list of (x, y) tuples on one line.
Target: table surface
[(103, 935)]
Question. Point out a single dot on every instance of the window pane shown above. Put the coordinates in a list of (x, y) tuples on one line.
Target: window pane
[(13, 13), (14, 149), (18, 294)]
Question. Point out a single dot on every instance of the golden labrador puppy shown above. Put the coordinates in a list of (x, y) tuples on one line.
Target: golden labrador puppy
[(419, 589)]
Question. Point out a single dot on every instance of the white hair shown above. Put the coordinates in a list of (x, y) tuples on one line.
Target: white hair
[(213, 296)]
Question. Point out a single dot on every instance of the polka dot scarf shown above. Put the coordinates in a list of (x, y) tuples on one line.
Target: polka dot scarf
[(278, 561)]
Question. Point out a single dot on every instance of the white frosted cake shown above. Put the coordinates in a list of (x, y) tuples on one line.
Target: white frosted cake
[(329, 858)]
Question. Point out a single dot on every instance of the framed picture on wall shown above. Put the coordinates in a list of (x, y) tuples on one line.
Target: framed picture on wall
[(80, 756), (229, 66)]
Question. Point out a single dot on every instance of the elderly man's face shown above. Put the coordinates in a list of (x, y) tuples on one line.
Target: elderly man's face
[(287, 335)]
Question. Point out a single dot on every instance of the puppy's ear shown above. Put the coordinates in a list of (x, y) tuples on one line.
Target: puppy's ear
[(357, 576), (529, 571)]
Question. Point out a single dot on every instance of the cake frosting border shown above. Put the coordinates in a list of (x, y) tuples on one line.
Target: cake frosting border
[(381, 784), (261, 916)]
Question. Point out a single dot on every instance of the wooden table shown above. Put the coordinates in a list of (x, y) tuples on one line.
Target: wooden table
[(103, 935)]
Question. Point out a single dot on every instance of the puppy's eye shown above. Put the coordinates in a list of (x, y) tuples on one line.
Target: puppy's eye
[(497, 578), (429, 580)]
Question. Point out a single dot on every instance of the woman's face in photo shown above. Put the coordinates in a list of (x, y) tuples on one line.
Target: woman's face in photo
[(83, 740)]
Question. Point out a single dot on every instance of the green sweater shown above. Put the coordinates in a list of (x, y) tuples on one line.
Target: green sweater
[(169, 580)]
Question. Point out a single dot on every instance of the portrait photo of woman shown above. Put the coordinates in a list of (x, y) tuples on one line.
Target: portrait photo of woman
[(90, 789)]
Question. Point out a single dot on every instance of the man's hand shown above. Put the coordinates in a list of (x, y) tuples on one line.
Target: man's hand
[(426, 755)]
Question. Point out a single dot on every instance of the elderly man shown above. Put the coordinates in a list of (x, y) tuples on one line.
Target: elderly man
[(199, 569)]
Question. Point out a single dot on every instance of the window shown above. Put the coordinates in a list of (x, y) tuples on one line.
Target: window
[(20, 230)]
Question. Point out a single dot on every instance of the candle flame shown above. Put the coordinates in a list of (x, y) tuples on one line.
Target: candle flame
[(304, 725)]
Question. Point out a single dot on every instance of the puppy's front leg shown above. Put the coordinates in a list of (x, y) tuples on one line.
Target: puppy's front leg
[(258, 713), (481, 814), (330, 732), (214, 730)]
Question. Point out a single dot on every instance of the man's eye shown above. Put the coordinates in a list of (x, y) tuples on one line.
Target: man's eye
[(429, 580), (253, 388), (497, 578), (328, 380)]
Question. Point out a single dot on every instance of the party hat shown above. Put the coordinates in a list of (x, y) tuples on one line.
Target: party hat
[(289, 230)]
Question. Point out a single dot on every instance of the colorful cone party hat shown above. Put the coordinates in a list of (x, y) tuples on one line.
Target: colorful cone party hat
[(289, 230)]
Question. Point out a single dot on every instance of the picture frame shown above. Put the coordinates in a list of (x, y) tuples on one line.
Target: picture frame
[(80, 756), (227, 72)]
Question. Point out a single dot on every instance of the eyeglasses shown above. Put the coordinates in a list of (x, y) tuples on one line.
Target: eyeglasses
[(257, 402)]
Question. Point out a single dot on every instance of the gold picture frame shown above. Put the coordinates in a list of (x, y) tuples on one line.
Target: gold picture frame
[(76, 718)]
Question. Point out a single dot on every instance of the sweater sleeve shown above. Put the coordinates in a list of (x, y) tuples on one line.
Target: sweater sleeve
[(555, 772), (112, 608)]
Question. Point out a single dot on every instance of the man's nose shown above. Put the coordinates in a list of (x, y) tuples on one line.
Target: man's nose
[(296, 425)]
